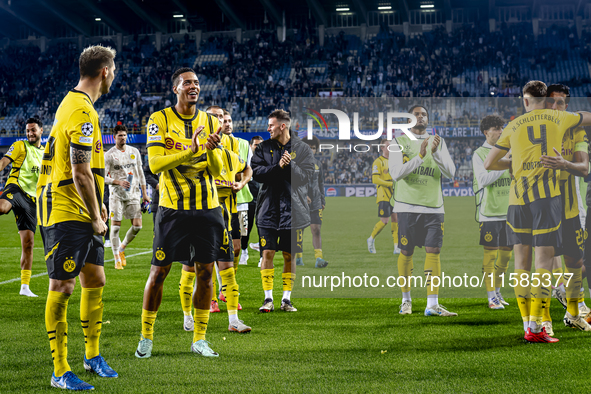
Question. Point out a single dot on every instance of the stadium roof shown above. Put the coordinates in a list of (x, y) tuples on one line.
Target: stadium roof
[(62, 18)]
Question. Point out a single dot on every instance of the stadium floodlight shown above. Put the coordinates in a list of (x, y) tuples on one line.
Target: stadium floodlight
[(343, 9), (97, 19), (427, 5), (178, 16), (385, 7)]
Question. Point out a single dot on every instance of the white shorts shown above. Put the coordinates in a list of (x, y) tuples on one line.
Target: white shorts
[(124, 209)]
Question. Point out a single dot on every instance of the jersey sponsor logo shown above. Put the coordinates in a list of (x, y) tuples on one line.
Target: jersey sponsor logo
[(488, 237), (10, 151), (153, 129), (132, 157), (124, 166), (98, 146), (154, 138), (219, 182), (501, 182), (85, 140), (9, 196), (87, 129), (35, 169), (69, 265)]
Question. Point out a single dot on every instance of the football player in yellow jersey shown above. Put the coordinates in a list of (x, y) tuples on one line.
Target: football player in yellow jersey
[(535, 207), (380, 176), (182, 147), (574, 161), (72, 223), (19, 194)]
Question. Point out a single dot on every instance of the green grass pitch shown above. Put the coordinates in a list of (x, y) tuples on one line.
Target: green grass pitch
[(350, 344)]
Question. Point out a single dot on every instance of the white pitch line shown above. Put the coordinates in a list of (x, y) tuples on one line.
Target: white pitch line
[(45, 273)]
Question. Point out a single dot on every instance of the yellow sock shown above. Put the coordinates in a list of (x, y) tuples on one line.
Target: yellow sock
[(236, 261), (405, 267), (214, 293), (267, 277), (377, 228), (546, 313), (523, 295), (488, 268), (25, 277), (288, 279), (501, 266), (555, 277), (229, 282), (573, 288), (91, 317), (57, 329), (201, 319), (148, 320), (539, 295), (432, 269), (394, 226), (317, 253), (299, 255), (186, 291)]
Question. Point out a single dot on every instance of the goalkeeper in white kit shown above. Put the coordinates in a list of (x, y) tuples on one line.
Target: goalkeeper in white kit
[(125, 177)]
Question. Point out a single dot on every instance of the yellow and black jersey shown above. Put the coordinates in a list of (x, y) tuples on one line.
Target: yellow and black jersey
[(190, 185), (233, 165), (26, 162), (76, 126), (575, 140), (380, 176), (529, 137), (231, 143)]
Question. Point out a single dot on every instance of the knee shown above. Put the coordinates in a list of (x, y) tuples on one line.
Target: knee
[(136, 228), (158, 275)]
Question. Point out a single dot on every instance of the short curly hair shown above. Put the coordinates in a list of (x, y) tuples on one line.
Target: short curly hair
[(491, 121)]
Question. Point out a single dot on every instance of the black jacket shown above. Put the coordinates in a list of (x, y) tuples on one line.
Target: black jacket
[(152, 180), (281, 203), (316, 187)]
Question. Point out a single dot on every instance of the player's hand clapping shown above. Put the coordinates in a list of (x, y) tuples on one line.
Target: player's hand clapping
[(423, 149), (436, 142), (214, 139), (285, 159)]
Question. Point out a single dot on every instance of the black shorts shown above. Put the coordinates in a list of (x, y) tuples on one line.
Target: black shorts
[(384, 209), (316, 216), (536, 223), (494, 234), (290, 241), (420, 229), (23, 206), (195, 236), (69, 246), (235, 226), (573, 239)]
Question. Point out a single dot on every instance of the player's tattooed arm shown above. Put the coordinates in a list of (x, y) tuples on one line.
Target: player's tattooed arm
[(79, 156)]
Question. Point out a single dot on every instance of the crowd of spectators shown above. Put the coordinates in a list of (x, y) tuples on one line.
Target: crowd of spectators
[(247, 83)]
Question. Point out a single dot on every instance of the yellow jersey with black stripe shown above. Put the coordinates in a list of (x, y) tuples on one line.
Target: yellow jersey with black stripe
[(529, 137), (189, 186), (232, 165), (575, 140), (381, 178), (76, 126), (231, 143)]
